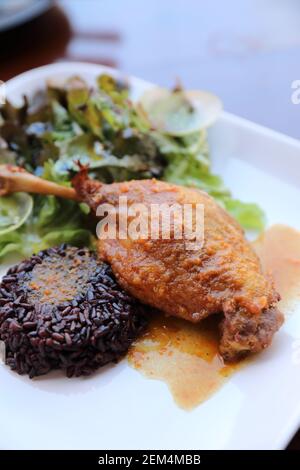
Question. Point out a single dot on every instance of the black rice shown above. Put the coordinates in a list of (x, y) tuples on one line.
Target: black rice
[(63, 309)]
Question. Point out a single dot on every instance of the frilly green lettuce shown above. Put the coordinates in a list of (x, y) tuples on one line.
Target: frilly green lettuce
[(62, 125)]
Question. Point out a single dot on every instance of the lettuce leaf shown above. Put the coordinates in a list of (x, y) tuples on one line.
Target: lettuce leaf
[(189, 165), (102, 128), (248, 214), (53, 221)]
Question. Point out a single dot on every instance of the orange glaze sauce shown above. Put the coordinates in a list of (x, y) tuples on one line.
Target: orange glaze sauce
[(185, 356), (279, 251)]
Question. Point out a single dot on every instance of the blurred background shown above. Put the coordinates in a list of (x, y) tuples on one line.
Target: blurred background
[(246, 51)]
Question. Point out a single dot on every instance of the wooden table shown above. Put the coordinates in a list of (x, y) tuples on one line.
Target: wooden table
[(246, 51)]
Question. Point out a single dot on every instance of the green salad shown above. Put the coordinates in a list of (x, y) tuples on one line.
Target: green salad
[(63, 124)]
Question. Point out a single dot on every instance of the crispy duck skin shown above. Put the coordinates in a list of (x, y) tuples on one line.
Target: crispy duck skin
[(223, 276)]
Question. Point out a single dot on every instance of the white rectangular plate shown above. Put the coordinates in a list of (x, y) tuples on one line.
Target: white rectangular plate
[(117, 408)]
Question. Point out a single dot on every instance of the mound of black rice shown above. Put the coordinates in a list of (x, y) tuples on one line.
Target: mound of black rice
[(63, 309)]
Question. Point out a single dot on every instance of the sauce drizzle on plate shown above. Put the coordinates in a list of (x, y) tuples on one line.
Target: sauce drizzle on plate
[(185, 356), (279, 251)]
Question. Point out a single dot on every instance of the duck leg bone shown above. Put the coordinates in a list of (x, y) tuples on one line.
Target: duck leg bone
[(15, 179)]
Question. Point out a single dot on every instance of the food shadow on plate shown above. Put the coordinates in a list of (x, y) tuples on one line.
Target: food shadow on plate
[(55, 382)]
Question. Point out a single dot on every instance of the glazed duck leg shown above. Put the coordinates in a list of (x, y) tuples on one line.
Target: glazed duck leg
[(224, 276)]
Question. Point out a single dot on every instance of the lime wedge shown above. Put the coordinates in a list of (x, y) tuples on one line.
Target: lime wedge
[(179, 112), (14, 211)]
